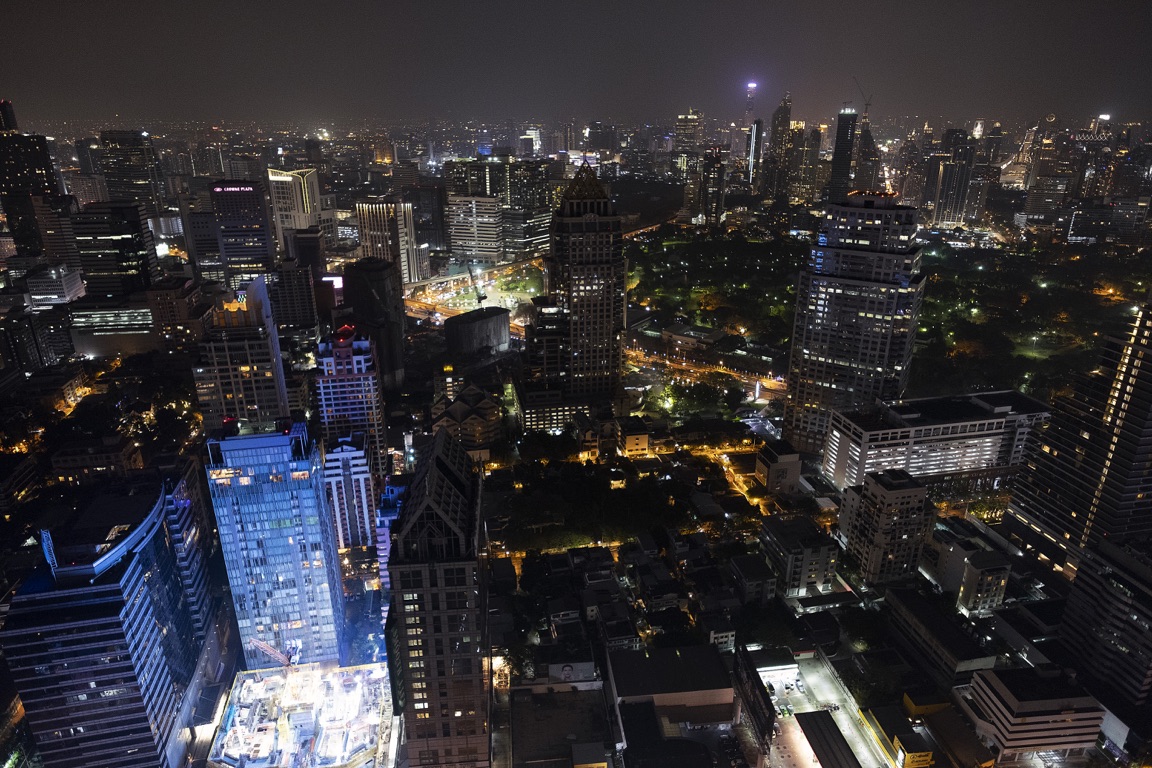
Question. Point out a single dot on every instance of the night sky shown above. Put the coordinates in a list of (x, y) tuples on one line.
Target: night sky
[(310, 60)]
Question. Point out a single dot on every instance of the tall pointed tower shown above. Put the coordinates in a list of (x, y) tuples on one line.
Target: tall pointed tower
[(586, 274)]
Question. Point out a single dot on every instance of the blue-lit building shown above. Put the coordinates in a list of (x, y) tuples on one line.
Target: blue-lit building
[(279, 545), (103, 638)]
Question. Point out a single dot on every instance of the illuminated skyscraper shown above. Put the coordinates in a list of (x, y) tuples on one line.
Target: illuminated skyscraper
[(750, 105), (857, 303), (351, 492), (279, 545), (885, 522), (689, 132), (102, 639), (586, 273), (776, 162), (1087, 478), (295, 200), (240, 376), (26, 171), (840, 182), (246, 240), (437, 573), (132, 170), (348, 392), (388, 232)]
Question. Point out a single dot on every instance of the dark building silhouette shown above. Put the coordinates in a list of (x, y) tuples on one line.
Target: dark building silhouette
[(117, 250), (840, 182), (7, 116), (25, 170), (132, 170), (373, 289)]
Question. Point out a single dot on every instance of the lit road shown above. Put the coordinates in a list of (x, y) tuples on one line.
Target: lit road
[(696, 371)]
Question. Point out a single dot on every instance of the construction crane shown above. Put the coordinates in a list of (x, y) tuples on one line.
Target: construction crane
[(480, 295), (867, 99), (285, 659)]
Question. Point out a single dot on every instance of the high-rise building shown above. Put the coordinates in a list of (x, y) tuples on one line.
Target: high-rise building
[(240, 376), (26, 170), (88, 155), (279, 545), (372, 288), (117, 250), (388, 232), (857, 304), (586, 273), (884, 523), (351, 491), (293, 293), (295, 200), (868, 175), (1087, 478), (348, 392), (712, 184), (840, 182), (102, 640), (131, 169), (476, 229), (7, 116), (779, 148), (246, 240), (755, 154), (689, 132), (1106, 622), (438, 613), (429, 203)]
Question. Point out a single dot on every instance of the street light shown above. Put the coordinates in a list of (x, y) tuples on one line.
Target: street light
[(1034, 338)]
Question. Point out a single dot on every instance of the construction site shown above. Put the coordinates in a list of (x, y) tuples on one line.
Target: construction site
[(308, 716)]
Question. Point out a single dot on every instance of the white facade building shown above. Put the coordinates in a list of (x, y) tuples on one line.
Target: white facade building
[(351, 495)]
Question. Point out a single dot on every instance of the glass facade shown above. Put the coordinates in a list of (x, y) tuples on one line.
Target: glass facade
[(279, 545)]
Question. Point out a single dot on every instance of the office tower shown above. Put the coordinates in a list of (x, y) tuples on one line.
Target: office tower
[(56, 283), (688, 132), (476, 229), (388, 232), (755, 154), (350, 491), (373, 290), (953, 181), (295, 200), (293, 294), (869, 174), (180, 313), (306, 248), (712, 184), (429, 202), (246, 241), (1106, 622), (279, 545), (117, 250), (840, 182), (1087, 478), (87, 188), (55, 232), (586, 273), (437, 574), (88, 154), (348, 394), (779, 148), (101, 639), (131, 169), (749, 105), (857, 304), (240, 376), (26, 170), (7, 116), (885, 522)]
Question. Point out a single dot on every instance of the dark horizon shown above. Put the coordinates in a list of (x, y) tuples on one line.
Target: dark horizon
[(405, 61)]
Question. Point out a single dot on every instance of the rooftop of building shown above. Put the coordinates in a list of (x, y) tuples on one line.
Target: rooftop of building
[(546, 726), (1032, 684), (955, 409), (895, 480), (948, 634), (796, 532), (752, 567), (475, 316), (305, 715), (827, 742), (668, 670), (775, 450)]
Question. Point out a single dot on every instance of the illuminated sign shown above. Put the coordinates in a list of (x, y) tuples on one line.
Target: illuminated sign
[(233, 189)]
